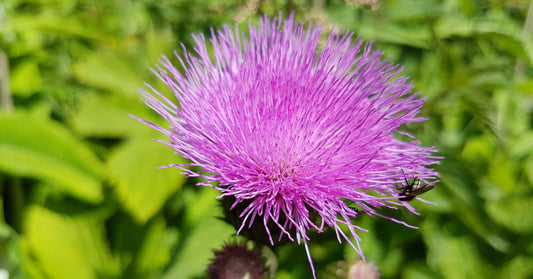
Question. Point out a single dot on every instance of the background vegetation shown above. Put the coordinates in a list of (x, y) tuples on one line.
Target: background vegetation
[(80, 195)]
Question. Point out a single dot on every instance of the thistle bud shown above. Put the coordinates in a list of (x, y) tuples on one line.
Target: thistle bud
[(236, 261)]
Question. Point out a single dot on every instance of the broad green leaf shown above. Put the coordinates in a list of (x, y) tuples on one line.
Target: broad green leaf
[(462, 191), (284, 275), (41, 148), (108, 116), (55, 23), (386, 32), (193, 258), (430, 80), (479, 149), (110, 71), (140, 185), (30, 264), (144, 249), (512, 115), (206, 231), (468, 7), (370, 243), (202, 203), (418, 271), (455, 256), (159, 42), (519, 267), (453, 25), (154, 254), (393, 33), (8, 239), (26, 78), (523, 146), (512, 213), (526, 86), (502, 172), (412, 10), (67, 246), (509, 43)]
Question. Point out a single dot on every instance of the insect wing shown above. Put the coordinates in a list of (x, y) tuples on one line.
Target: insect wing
[(418, 188), (413, 189)]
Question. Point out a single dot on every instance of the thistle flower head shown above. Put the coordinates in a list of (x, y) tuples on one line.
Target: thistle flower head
[(300, 136)]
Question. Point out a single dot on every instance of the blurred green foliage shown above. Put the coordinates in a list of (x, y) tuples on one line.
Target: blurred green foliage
[(81, 195)]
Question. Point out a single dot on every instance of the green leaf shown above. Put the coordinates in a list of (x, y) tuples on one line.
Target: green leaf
[(55, 23), (108, 116), (64, 246), (7, 237), (140, 185), (526, 86), (455, 256), (193, 258), (110, 71), (502, 172), (144, 249), (418, 271), (462, 190), (202, 203), (412, 10), (154, 254), (21, 84), (205, 232), (393, 33), (518, 267), (43, 149), (513, 213), (159, 42), (479, 149), (523, 145), (453, 25)]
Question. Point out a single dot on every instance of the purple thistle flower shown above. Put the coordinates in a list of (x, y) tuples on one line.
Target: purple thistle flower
[(290, 131)]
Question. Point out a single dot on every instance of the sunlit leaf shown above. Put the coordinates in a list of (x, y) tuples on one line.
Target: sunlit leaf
[(525, 87), (144, 249), (159, 42), (110, 71), (50, 23), (455, 256), (479, 149), (108, 117), (453, 25), (193, 258), (201, 204), (412, 10), (518, 267), (467, 204), (20, 83), (66, 246), (513, 213), (42, 149), (523, 146), (140, 185), (392, 33)]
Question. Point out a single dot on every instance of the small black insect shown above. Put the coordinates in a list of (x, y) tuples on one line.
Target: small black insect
[(413, 189)]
